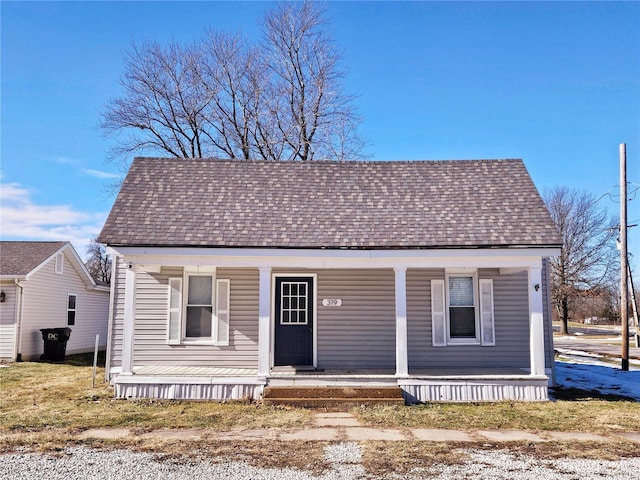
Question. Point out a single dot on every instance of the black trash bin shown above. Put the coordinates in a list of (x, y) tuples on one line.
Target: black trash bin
[(55, 343)]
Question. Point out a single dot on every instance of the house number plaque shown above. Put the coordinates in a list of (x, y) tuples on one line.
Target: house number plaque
[(331, 302)]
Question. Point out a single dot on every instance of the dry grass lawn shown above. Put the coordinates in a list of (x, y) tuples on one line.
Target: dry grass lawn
[(44, 406), (590, 416), (42, 396)]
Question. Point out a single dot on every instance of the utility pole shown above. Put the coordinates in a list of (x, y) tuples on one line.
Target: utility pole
[(624, 285), (634, 306)]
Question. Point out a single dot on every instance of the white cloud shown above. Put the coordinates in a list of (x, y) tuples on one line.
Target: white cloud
[(62, 160), (100, 174), (22, 219)]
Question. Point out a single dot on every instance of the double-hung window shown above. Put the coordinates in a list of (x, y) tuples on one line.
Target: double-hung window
[(462, 310), (198, 309), (71, 309)]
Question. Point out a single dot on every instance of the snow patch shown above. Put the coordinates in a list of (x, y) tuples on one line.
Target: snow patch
[(601, 378)]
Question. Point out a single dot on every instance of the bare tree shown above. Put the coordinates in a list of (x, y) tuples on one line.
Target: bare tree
[(588, 259), (310, 112), (222, 97), (163, 103), (99, 263)]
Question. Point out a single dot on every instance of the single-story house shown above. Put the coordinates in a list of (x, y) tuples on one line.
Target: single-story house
[(46, 285), (231, 276)]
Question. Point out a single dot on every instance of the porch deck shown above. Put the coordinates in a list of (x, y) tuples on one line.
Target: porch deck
[(421, 385), (288, 372)]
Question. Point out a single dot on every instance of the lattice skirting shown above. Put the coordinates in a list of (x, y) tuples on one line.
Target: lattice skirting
[(420, 391), (206, 389)]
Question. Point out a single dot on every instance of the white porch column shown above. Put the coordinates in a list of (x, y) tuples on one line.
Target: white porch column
[(264, 321), (129, 318), (402, 362), (536, 324)]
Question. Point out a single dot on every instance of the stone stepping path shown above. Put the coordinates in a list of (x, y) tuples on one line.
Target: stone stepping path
[(340, 426)]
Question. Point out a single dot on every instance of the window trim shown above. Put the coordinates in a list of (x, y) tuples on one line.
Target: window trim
[(74, 310), (174, 310), (466, 273), (185, 305), (217, 337)]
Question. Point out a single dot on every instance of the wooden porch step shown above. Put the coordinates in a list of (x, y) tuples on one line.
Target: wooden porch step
[(332, 396)]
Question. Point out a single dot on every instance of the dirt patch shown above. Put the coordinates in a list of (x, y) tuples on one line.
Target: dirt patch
[(380, 458)]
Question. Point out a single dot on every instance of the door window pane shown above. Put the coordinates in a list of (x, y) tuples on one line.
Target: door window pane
[(293, 303)]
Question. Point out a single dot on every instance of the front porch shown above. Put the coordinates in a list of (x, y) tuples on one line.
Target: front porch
[(421, 385), (355, 311)]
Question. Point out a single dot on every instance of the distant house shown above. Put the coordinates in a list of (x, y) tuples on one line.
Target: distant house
[(46, 285), (233, 276)]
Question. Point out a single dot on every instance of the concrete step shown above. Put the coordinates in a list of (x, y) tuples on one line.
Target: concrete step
[(332, 396), (332, 402)]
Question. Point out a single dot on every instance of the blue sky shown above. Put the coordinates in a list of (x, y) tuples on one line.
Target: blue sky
[(556, 84)]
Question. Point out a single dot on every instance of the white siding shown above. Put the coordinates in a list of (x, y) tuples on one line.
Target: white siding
[(116, 323), (150, 340), (511, 312), (45, 306), (549, 354), (8, 321)]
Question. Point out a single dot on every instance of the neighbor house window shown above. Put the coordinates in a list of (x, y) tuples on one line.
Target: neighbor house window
[(200, 312), (71, 309), (462, 310)]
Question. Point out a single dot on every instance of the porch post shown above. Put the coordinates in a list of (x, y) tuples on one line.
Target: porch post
[(264, 321), (536, 325), (402, 363), (129, 318)]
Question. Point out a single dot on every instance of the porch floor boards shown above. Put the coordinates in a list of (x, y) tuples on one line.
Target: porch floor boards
[(419, 373), (191, 371)]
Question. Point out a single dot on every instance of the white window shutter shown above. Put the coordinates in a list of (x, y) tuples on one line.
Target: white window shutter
[(438, 314), (221, 327), (175, 311), (487, 328)]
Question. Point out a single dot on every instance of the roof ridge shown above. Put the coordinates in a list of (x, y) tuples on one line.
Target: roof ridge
[(330, 161)]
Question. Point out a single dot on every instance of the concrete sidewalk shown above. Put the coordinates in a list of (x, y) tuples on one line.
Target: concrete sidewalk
[(339, 426)]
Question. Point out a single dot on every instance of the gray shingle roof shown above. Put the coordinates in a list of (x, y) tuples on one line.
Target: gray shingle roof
[(20, 258), (365, 205)]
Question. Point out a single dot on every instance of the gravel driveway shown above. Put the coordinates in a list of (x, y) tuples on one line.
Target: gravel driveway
[(83, 463)]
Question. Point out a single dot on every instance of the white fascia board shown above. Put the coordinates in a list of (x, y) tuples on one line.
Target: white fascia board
[(47, 260), (320, 258), (100, 288), (75, 258), (12, 278)]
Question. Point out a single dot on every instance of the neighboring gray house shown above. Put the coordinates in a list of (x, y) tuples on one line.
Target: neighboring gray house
[(46, 285), (231, 276)]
